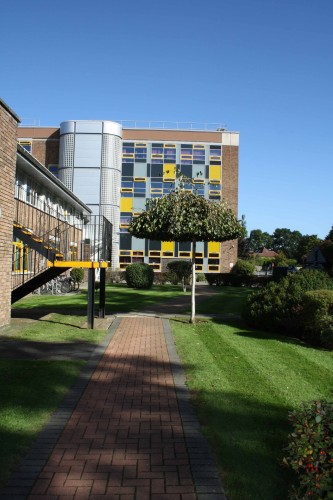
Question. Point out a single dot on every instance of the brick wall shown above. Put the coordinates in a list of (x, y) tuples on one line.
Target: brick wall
[(46, 151), (8, 126), (229, 249), (45, 143)]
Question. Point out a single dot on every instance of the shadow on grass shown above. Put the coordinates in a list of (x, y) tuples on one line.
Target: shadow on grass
[(247, 436), (249, 332), (29, 392), (119, 298)]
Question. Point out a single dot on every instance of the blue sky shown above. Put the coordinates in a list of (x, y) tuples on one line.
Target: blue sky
[(260, 67)]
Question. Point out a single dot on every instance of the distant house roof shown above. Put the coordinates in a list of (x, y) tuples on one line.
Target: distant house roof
[(264, 252)]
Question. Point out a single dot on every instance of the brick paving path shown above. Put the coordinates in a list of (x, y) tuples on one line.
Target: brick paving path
[(133, 434)]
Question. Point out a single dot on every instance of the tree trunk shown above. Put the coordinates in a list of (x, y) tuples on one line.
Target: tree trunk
[(192, 320)]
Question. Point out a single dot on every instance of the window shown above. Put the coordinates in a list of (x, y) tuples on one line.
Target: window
[(54, 169), (27, 145)]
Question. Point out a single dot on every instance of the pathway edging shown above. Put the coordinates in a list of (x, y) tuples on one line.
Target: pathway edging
[(205, 474)]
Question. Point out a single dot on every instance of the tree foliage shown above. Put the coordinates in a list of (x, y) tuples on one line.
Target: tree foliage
[(286, 241), (330, 235), (186, 216), (292, 244), (259, 239)]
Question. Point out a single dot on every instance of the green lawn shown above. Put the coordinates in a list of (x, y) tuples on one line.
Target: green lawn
[(54, 327), (244, 383), (29, 392), (227, 300), (119, 298), (62, 318)]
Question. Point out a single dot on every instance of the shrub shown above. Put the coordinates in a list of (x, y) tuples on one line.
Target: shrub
[(317, 317), (229, 279), (77, 275), (200, 277), (116, 276), (244, 268), (160, 278), (310, 449), (279, 305), (181, 269), (139, 275), (263, 261), (172, 278)]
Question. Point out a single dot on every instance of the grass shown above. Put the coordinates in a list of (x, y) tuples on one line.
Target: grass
[(227, 300), (61, 318), (119, 298), (244, 383), (29, 392), (54, 327)]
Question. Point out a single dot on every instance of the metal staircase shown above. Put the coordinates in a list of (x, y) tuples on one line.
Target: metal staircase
[(85, 243)]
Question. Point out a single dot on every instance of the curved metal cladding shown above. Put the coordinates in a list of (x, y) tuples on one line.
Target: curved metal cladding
[(90, 165)]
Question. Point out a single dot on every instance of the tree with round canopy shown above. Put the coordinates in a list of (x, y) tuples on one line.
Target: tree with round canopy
[(186, 216)]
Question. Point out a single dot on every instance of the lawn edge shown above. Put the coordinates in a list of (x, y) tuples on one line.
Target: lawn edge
[(204, 470)]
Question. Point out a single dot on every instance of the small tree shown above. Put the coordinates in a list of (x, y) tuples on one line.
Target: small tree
[(182, 269), (77, 275), (139, 275), (244, 268), (185, 216)]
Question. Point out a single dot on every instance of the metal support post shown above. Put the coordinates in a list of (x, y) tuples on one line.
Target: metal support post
[(91, 298), (102, 293)]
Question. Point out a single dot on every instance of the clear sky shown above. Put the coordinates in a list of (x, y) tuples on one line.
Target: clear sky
[(260, 67)]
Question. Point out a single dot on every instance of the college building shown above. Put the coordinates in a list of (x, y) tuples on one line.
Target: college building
[(115, 169), (69, 193)]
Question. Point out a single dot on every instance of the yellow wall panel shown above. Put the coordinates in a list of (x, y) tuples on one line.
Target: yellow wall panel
[(214, 172), (126, 204), (214, 246), (169, 171), (167, 246)]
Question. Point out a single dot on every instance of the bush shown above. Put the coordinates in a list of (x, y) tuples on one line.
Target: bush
[(116, 276), (317, 317), (279, 305), (139, 275), (310, 450), (172, 278), (180, 270), (200, 277), (229, 279), (244, 268), (77, 275), (160, 278)]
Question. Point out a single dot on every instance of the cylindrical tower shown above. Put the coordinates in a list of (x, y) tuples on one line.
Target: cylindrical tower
[(90, 165)]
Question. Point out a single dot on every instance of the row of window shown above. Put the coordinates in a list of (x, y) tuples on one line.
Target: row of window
[(29, 191), (159, 153)]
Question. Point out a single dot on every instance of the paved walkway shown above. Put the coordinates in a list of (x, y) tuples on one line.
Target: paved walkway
[(127, 430)]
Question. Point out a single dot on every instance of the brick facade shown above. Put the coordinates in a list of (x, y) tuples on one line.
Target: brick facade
[(45, 147), (8, 128), (229, 249), (45, 143)]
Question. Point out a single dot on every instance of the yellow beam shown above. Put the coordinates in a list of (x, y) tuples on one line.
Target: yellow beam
[(78, 263)]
